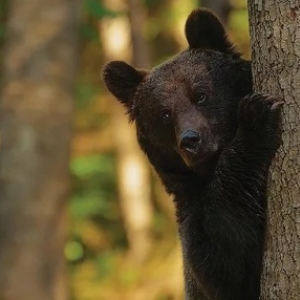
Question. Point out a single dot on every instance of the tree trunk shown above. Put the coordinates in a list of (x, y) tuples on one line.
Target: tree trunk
[(39, 67), (140, 51), (275, 36), (133, 169)]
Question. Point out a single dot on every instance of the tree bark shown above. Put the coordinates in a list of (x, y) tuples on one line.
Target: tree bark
[(275, 38), (39, 67)]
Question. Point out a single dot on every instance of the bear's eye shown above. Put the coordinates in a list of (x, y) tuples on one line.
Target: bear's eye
[(166, 117), (200, 98)]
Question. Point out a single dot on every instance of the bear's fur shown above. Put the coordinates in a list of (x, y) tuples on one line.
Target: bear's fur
[(211, 145)]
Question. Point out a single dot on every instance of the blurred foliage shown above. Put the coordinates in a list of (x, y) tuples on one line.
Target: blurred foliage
[(97, 247)]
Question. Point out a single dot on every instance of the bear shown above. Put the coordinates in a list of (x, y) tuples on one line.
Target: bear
[(211, 140)]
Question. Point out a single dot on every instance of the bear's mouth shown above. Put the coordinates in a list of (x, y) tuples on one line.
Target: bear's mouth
[(197, 149), (196, 157)]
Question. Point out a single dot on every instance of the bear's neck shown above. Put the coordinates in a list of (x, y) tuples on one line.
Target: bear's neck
[(183, 183), (176, 177)]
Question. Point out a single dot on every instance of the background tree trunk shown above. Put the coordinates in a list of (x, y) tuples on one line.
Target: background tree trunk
[(133, 168), (140, 51), (275, 36), (40, 59)]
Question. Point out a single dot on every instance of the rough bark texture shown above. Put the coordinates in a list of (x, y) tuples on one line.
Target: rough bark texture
[(39, 64), (275, 39)]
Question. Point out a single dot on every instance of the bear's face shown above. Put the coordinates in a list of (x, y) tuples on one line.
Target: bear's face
[(187, 105), (185, 110)]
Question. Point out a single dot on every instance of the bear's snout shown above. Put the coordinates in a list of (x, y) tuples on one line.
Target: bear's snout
[(196, 148), (190, 141)]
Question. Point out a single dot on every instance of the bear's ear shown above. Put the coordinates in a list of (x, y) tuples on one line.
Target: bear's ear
[(204, 30), (122, 81)]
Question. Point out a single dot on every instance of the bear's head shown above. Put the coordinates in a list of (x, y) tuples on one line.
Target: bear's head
[(185, 109)]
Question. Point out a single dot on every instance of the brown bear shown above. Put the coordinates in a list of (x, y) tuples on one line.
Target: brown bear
[(211, 141)]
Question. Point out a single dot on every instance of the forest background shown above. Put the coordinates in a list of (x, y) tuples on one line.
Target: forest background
[(122, 241)]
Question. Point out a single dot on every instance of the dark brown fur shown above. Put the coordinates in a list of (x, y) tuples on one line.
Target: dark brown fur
[(212, 146)]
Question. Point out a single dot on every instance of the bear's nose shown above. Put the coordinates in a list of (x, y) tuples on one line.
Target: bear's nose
[(190, 140)]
